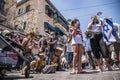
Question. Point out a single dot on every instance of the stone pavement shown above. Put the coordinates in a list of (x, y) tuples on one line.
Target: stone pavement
[(65, 75)]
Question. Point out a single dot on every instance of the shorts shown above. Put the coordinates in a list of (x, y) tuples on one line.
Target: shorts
[(35, 57)]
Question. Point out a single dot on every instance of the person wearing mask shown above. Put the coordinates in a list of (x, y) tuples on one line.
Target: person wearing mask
[(51, 48), (97, 44)]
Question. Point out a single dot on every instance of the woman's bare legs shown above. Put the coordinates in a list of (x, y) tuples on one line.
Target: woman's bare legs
[(80, 52), (33, 63), (75, 55)]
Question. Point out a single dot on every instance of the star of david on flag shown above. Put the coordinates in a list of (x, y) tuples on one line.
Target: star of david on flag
[(108, 30)]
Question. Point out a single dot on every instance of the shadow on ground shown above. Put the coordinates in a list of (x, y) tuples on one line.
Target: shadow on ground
[(12, 77)]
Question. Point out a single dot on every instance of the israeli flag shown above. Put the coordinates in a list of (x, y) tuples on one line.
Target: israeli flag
[(109, 34)]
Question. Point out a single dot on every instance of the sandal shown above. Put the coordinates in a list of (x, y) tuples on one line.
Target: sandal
[(82, 72), (73, 72)]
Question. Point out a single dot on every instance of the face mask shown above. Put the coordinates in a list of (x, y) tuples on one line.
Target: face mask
[(52, 37)]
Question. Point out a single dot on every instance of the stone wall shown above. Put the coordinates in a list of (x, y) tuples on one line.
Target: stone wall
[(10, 6), (35, 17)]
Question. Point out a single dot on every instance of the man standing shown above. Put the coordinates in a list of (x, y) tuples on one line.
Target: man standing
[(51, 48), (97, 44)]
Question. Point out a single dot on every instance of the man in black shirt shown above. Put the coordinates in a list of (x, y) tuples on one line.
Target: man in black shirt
[(52, 42)]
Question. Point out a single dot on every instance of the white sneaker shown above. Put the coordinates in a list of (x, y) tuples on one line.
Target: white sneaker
[(99, 69), (107, 68)]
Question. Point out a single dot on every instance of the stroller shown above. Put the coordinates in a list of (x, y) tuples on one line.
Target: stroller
[(10, 58)]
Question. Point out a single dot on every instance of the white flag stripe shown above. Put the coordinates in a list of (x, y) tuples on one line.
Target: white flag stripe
[(108, 30)]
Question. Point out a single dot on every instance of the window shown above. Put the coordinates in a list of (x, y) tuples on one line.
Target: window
[(20, 11), (50, 15), (2, 4), (27, 8), (49, 11), (16, 26), (24, 25)]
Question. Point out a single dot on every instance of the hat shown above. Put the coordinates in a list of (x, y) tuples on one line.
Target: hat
[(5, 32), (52, 33)]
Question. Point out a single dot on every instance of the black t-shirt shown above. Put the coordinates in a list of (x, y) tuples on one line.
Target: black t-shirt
[(53, 46)]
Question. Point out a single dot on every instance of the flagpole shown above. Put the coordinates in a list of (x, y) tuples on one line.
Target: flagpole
[(99, 13)]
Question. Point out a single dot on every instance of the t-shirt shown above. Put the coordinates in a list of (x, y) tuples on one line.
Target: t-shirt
[(95, 27), (35, 51), (53, 46), (69, 47)]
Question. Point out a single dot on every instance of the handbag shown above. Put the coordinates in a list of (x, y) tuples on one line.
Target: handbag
[(49, 69)]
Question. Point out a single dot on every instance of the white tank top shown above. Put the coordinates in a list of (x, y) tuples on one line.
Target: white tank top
[(77, 39)]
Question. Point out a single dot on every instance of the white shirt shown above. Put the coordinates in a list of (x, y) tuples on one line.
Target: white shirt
[(95, 27), (69, 47), (35, 51)]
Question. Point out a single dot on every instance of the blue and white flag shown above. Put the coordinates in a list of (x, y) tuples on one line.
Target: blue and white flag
[(108, 30)]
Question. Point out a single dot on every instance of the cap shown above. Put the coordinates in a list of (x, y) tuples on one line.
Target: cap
[(52, 33)]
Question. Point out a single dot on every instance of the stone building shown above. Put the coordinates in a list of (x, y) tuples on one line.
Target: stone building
[(2, 12), (7, 11), (39, 16)]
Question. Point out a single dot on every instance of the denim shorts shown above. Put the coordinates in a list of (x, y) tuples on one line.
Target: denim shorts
[(69, 57), (35, 57)]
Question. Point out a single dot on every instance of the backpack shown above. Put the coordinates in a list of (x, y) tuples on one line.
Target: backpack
[(49, 69)]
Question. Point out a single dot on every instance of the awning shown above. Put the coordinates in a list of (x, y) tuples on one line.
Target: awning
[(62, 18), (6, 27), (48, 26), (59, 31), (47, 7)]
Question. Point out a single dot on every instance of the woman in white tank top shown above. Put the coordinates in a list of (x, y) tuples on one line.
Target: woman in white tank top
[(77, 39), (76, 44)]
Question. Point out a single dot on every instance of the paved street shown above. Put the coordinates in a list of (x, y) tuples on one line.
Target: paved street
[(65, 75)]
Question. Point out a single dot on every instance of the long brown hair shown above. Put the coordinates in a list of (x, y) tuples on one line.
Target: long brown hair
[(73, 22)]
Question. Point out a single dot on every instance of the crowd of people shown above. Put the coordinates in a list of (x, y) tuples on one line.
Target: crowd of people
[(74, 52)]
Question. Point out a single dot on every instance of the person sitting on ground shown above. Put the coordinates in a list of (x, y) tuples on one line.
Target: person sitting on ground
[(36, 58)]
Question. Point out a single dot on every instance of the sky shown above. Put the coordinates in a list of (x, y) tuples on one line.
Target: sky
[(84, 9)]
